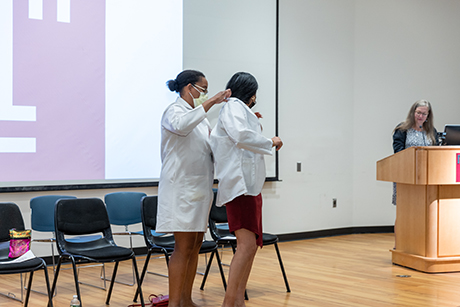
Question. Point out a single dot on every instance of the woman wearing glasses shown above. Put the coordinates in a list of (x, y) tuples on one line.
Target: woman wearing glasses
[(416, 130), (187, 174)]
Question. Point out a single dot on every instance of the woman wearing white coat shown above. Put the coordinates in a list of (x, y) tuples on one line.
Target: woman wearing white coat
[(187, 174), (238, 147)]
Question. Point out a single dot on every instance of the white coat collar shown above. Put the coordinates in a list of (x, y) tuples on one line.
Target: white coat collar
[(243, 104), (181, 101)]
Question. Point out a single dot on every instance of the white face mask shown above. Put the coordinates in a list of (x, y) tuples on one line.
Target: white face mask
[(199, 101)]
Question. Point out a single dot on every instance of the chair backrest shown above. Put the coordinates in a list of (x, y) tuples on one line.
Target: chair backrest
[(149, 208), (10, 217), (217, 215), (124, 208), (42, 211), (80, 216)]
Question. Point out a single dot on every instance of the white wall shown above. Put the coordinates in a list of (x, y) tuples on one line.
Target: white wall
[(315, 118), (349, 71), (404, 51), (226, 38)]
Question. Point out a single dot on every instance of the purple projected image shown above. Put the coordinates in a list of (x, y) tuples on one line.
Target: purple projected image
[(58, 67), (83, 85)]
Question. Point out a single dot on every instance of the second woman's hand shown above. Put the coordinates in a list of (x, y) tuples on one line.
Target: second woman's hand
[(277, 142)]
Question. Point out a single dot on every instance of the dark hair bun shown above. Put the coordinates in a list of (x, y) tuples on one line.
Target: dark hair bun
[(172, 85), (184, 78)]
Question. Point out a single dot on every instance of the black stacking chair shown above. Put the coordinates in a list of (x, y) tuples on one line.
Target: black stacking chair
[(11, 217), (222, 235), (165, 244), (42, 220), (88, 216)]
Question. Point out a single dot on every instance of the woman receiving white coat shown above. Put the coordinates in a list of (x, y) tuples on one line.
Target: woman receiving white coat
[(239, 147), (187, 174)]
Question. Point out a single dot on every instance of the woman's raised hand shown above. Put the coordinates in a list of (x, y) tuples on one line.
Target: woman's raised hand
[(216, 99)]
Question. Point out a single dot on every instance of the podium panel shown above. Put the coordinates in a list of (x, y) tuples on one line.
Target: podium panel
[(427, 228), (411, 236), (449, 230)]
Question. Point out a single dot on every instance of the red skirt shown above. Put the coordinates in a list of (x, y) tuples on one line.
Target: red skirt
[(246, 212)]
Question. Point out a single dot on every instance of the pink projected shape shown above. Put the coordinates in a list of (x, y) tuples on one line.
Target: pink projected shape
[(58, 67)]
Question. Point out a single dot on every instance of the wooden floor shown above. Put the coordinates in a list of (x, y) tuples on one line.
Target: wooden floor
[(351, 270)]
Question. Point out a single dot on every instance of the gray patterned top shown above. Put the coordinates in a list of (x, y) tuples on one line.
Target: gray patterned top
[(417, 138)]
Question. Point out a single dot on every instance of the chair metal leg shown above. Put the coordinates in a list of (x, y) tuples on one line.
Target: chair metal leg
[(233, 247), (208, 268), (56, 274), (144, 270), (288, 289), (139, 284), (50, 294), (22, 285), (206, 264), (131, 247), (167, 264), (11, 296), (75, 276), (222, 247), (26, 302), (54, 269), (114, 274), (158, 274), (206, 272), (28, 288), (102, 272), (222, 275)]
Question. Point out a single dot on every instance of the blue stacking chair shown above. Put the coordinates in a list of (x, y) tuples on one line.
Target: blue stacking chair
[(124, 209)]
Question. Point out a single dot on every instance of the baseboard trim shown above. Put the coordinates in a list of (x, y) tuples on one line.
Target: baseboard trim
[(335, 232)]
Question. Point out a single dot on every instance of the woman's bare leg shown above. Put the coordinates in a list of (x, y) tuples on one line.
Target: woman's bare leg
[(186, 297), (240, 268), (185, 255)]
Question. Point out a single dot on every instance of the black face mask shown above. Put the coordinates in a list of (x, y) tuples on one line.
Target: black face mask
[(252, 104)]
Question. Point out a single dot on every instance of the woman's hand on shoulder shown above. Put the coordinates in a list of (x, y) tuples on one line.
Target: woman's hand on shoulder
[(216, 99)]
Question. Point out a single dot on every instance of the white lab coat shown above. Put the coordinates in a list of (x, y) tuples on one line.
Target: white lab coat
[(187, 172), (238, 147)]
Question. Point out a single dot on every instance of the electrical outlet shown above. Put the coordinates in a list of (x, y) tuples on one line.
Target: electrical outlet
[(334, 203)]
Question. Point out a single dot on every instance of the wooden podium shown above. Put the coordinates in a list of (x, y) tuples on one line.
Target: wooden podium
[(428, 207)]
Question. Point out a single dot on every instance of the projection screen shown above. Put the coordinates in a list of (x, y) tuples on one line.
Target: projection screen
[(82, 83)]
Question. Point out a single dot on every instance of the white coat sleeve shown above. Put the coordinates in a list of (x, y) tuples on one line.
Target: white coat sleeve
[(234, 120), (182, 122)]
